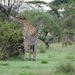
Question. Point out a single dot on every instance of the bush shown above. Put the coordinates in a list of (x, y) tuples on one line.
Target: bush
[(10, 39), (44, 61), (42, 49), (65, 68)]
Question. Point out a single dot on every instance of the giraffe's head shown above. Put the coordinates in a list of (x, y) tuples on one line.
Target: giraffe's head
[(18, 19)]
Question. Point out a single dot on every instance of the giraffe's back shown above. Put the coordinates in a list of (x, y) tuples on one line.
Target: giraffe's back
[(29, 29)]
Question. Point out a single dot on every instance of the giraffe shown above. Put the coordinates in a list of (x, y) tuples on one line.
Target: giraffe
[(30, 36)]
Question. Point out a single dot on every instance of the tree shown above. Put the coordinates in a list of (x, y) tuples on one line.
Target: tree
[(59, 2), (68, 14), (10, 39), (65, 19), (7, 6)]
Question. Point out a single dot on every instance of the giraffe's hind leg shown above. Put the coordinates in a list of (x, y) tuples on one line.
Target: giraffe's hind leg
[(30, 53), (34, 52), (25, 50)]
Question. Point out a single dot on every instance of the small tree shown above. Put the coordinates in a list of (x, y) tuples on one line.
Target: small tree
[(7, 6), (10, 39)]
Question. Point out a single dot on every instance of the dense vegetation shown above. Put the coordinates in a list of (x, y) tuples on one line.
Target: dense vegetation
[(57, 26), (55, 54), (10, 39)]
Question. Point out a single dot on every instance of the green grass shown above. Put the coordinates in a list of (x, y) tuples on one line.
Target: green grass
[(54, 56)]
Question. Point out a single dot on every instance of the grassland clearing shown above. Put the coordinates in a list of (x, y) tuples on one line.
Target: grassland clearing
[(55, 56)]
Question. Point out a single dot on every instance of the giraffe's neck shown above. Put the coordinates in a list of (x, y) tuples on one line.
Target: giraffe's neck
[(27, 23)]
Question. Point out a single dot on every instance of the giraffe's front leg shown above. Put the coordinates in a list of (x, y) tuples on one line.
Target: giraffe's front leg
[(25, 50), (34, 56), (29, 52), (25, 54)]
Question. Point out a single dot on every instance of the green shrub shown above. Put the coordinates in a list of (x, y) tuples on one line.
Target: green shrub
[(42, 49), (65, 68), (44, 61), (10, 39)]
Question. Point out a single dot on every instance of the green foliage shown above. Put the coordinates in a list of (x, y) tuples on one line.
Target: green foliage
[(36, 2), (66, 68), (42, 49), (70, 23), (10, 36), (60, 2), (44, 61), (9, 7), (9, 30)]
